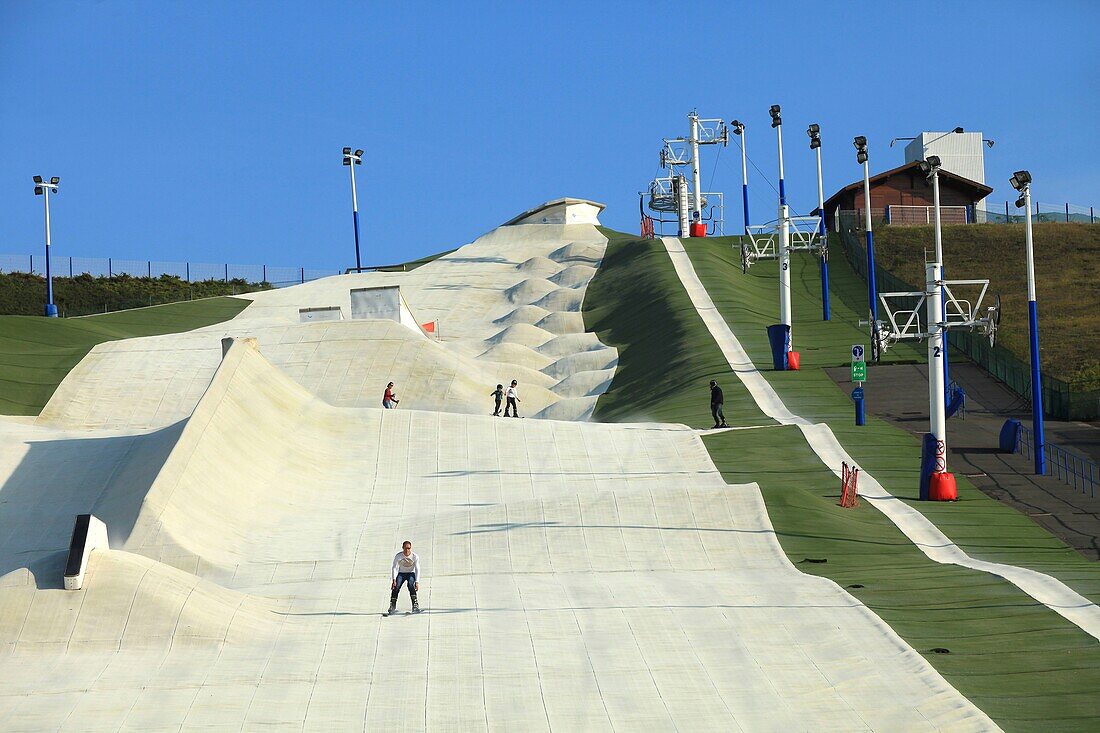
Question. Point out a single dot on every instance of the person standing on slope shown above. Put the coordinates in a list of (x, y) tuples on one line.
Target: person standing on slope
[(498, 395), (406, 569), (716, 403), (389, 399), (513, 398)]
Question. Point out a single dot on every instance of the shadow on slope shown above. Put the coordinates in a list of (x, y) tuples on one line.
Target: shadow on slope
[(57, 479)]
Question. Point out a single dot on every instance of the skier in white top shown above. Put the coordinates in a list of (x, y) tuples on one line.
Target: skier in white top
[(513, 397), (406, 569)]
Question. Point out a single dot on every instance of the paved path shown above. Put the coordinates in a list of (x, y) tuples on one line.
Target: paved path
[(1070, 514), (935, 544)]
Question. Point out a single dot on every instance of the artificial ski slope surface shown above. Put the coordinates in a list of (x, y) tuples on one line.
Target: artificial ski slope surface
[(578, 575)]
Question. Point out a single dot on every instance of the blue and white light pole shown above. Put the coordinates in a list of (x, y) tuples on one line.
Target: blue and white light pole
[(739, 129), (351, 160), (860, 144), (44, 188), (1021, 181), (814, 131), (784, 244)]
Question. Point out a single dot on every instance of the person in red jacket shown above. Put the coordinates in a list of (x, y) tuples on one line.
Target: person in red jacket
[(389, 399)]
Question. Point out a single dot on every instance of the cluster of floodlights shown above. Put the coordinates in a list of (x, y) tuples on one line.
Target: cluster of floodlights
[(930, 165), (814, 131), (1019, 181), (860, 143), (777, 120), (350, 157), (41, 184)]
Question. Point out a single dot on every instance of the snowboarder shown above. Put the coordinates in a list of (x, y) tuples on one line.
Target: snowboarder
[(498, 395), (389, 399), (513, 398), (406, 569), (716, 403)]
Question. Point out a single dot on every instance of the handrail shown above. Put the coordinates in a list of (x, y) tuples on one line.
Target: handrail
[(1077, 471)]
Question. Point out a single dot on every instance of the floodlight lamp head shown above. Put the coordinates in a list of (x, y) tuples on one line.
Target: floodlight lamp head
[(37, 190), (1020, 202), (738, 127), (988, 143), (38, 179), (925, 166), (347, 160), (861, 157), (55, 180), (347, 151), (358, 153), (958, 131), (777, 120), (1020, 179), (860, 142)]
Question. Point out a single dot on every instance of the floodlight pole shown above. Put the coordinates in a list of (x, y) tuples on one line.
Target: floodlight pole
[(784, 242), (823, 233), (355, 218), (694, 141), (1033, 332), (872, 287), (937, 411), (744, 177), (939, 258), (51, 309)]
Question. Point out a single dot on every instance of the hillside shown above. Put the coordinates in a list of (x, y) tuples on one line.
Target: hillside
[(1067, 286)]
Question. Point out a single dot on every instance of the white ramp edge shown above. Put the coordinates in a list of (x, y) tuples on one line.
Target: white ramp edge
[(1051, 592), (89, 533)]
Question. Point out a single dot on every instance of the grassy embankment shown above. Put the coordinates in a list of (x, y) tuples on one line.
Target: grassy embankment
[(1067, 277), (1017, 660)]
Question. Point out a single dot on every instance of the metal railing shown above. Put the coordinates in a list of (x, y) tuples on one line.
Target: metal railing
[(1041, 212), (1079, 472), (186, 271)]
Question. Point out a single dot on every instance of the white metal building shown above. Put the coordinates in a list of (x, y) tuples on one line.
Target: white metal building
[(960, 153)]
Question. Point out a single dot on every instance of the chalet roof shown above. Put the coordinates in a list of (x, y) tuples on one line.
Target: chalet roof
[(980, 190)]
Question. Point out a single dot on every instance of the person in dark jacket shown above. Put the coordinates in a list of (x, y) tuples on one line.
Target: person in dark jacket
[(716, 402), (498, 395)]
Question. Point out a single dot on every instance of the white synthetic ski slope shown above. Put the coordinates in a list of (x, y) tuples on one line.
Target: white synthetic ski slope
[(1049, 591), (578, 576), (508, 307)]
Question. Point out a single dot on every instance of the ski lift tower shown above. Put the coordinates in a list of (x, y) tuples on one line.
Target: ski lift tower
[(947, 304), (672, 194)]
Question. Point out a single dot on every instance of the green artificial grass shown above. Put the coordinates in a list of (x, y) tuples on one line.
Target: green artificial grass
[(1020, 662), (36, 353), (666, 356), (984, 527)]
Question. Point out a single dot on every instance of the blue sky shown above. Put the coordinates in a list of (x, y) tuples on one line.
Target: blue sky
[(211, 131)]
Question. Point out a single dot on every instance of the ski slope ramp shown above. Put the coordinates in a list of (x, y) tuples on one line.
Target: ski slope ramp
[(506, 306), (577, 576)]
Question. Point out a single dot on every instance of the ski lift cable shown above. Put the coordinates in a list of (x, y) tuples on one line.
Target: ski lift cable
[(767, 180)]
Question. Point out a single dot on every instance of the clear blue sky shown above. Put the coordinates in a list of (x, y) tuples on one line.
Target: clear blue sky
[(211, 131)]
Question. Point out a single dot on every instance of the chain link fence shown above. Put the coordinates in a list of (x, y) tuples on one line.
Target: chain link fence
[(1060, 400)]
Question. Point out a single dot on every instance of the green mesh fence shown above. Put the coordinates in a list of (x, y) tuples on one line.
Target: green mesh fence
[(1060, 401)]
